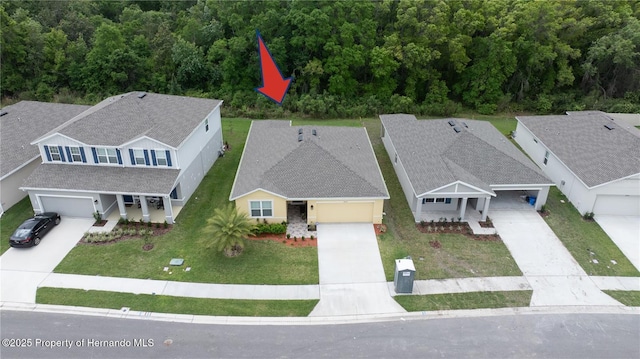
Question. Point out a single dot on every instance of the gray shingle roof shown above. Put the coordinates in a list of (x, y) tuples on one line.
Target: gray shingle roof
[(595, 154), (338, 163), (120, 119), (125, 180), (434, 155), (24, 122)]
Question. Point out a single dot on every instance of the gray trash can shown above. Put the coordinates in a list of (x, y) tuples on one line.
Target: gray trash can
[(404, 274)]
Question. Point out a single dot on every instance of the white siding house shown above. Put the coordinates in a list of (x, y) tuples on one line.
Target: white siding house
[(454, 166), (20, 124), (593, 159), (136, 148)]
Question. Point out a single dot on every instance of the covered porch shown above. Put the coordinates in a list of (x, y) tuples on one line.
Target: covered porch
[(157, 209), (155, 215)]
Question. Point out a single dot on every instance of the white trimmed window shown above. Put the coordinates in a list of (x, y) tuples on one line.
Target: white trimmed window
[(55, 153), (139, 156), (107, 155), (428, 200), (161, 157), (75, 154), (546, 157), (439, 200), (261, 208)]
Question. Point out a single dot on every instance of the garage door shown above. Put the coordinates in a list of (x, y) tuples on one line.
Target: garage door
[(617, 205), (343, 212), (68, 206)]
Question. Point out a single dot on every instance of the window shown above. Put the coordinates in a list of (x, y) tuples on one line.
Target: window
[(139, 157), (447, 200), (55, 153), (395, 160), (534, 140), (206, 125), (75, 154), (261, 208), (439, 200), (546, 157), (161, 157), (427, 200), (107, 155)]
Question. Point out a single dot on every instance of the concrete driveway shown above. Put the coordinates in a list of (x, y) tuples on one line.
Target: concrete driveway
[(624, 231), (554, 275), (352, 280), (22, 269)]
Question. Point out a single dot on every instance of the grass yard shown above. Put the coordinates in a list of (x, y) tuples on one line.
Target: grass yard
[(458, 256), (582, 238), (262, 262), (473, 300), (11, 219), (628, 298), (177, 305)]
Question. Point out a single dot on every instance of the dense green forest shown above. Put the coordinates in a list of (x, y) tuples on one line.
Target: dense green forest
[(348, 58)]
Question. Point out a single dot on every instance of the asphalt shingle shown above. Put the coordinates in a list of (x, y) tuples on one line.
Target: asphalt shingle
[(337, 163)]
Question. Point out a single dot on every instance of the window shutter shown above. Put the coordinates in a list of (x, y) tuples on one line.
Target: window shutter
[(95, 155), (61, 153), (46, 152), (84, 158), (168, 158), (146, 157), (69, 153), (119, 156), (153, 157), (133, 158)]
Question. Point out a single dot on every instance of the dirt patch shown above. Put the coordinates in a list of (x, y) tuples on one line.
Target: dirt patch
[(100, 223), (291, 242), (435, 244), (543, 214), (457, 228)]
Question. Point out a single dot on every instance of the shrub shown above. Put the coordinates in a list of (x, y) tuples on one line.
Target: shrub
[(288, 235), (269, 228), (165, 224), (588, 216), (97, 216), (312, 237)]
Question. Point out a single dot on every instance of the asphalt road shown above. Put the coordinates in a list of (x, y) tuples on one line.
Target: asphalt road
[(509, 336)]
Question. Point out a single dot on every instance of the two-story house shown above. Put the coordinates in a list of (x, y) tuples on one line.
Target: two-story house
[(129, 150)]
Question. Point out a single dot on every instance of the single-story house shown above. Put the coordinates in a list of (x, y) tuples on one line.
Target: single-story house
[(593, 159), (139, 148), (328, 174), (456, 165), (22, 123)]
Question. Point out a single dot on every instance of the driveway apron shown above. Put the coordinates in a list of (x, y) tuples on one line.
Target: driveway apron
[(23, 269), (554, 275), (624, 231), (352, 280)]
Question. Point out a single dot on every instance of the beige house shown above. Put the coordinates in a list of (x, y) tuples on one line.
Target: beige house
[(319, 174)]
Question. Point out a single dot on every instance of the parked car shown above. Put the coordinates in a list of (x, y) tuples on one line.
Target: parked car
[(33, 229)]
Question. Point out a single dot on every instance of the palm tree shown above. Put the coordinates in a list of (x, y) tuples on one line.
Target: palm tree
[(228, 229)]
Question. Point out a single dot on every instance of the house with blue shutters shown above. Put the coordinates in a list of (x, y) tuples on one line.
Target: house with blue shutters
[(133, 152)]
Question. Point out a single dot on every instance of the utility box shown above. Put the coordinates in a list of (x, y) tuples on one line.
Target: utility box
[(404, 274)]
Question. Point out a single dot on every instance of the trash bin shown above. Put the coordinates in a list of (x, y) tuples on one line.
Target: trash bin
[(532, 200), (404, 274)]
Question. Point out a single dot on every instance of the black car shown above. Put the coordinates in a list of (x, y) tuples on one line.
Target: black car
[(33, 229)]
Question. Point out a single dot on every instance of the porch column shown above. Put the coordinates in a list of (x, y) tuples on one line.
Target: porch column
[(168, 209), (486, 208), (121, 206), (418, 214), (145, 209), (463, 208)]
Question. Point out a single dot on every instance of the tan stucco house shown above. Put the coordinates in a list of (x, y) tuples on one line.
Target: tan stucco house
[(327, 174)]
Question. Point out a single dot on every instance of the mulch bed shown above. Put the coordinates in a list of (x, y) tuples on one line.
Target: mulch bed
[(486, 224), (282, 238), (543, 214), (449, 227), (379, 228), (100, 223), (137, 226)]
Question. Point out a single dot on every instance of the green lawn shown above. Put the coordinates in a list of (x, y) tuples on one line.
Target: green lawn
[(582, 238), (628, 298), (177, 305), (11, 219), (262, 262), (473, 300), (458, 256)]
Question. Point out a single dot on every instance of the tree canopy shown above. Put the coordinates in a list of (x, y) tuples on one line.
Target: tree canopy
[(347, 58)]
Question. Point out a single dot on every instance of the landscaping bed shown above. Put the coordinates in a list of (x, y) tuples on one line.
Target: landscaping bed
[(177, 305), (462, 228), (291, 241)]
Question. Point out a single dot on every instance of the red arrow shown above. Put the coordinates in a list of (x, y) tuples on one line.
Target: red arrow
[(274, 86)]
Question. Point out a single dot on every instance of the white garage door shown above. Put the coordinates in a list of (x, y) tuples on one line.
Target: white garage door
[(617, 205), (68, 206), (344, 212)]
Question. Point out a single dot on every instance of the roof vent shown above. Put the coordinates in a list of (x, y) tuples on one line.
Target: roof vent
[(609, 127), (299, 138), (465, 124), (452, 123), (314, 132), (142, 94), (457, 129), (299, 131), (3, 113)]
